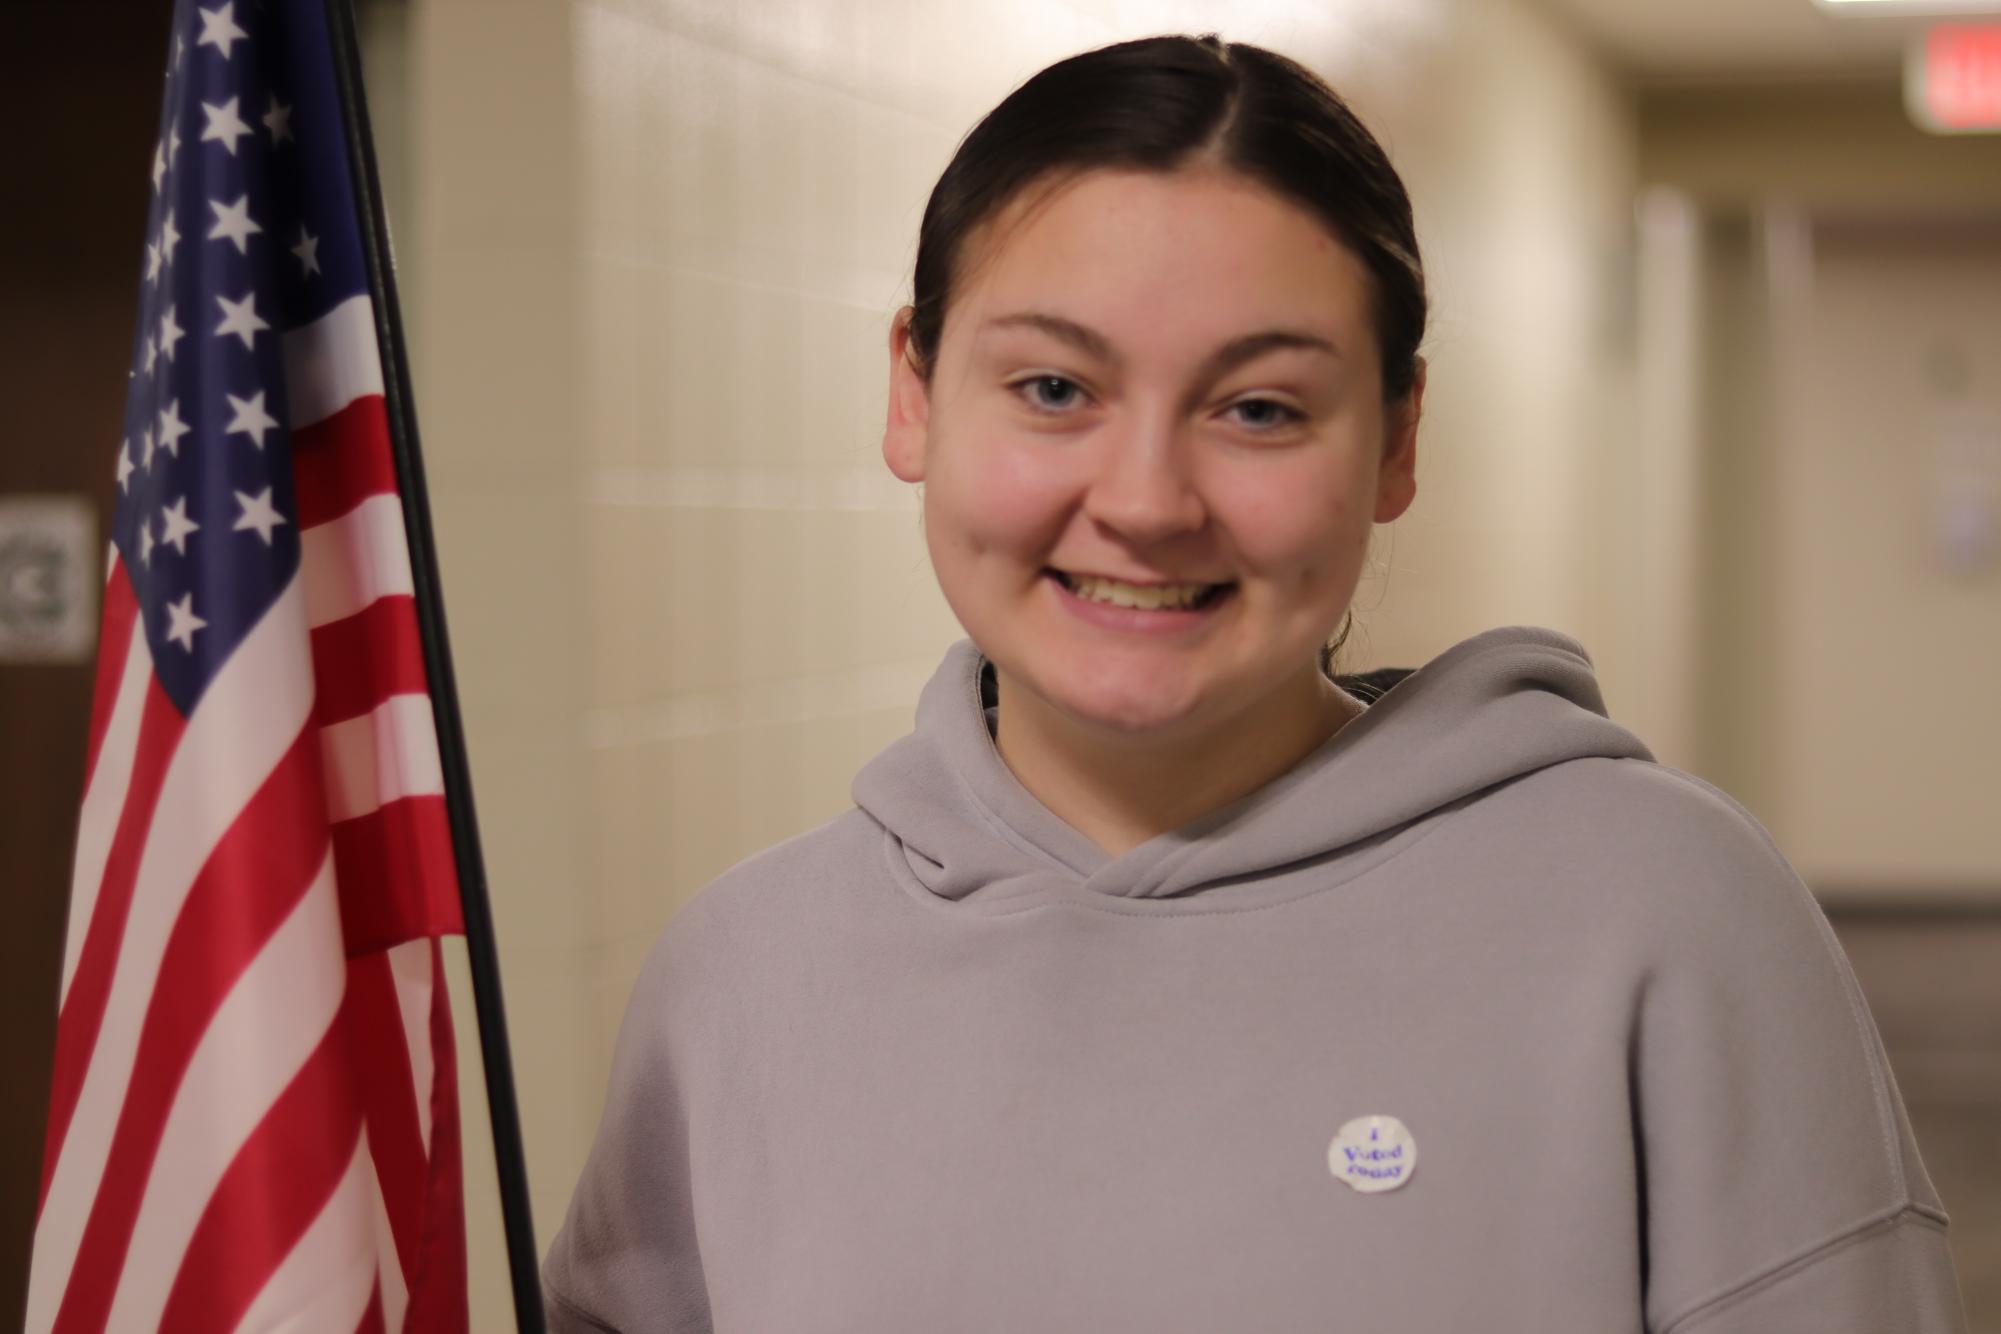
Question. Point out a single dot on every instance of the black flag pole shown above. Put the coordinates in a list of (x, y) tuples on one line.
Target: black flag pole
[(402, 414)]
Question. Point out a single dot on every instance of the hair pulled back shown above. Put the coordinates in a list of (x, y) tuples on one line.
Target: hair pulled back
[(1157, 104)]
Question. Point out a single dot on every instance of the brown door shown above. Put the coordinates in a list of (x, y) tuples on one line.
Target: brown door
[(79, 89)]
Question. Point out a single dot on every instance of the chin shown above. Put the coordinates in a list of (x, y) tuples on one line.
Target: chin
[(1132, 709)]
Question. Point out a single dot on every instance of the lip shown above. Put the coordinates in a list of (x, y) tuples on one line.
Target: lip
[(1169, 621)]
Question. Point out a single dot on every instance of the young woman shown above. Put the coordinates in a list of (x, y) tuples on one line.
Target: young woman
[(1159, 982)]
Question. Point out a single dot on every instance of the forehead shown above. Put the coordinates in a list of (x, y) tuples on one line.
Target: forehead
[(1113, 240)]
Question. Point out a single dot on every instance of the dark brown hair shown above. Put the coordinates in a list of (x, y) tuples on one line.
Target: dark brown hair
[(1157, 104)]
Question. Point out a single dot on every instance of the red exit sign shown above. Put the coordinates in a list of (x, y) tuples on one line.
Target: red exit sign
[(1952, 78)]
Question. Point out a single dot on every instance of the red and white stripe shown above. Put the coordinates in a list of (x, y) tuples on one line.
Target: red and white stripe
[(253, 1123)]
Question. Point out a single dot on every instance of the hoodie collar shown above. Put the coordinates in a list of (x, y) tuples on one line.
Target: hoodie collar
[(1504, 703)]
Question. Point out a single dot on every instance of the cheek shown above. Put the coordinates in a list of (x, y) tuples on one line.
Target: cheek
[(996, 500), (1308, 530)]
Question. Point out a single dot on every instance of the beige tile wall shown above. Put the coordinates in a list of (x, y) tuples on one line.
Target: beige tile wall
[(652, 248), (489, 262)]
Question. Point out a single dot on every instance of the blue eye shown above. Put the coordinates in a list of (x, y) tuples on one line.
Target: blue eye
[(1066, 395), (1271, 413)]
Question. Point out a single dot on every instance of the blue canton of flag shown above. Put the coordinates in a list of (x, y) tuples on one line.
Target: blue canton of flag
[(250, 233)]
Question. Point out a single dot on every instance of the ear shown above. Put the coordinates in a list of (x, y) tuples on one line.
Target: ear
[(1396, 480), (907, 433)]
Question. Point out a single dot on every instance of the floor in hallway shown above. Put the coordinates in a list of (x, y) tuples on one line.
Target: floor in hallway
[(1934, 984)]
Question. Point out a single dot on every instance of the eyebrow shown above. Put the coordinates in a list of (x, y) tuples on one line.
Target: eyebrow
[(1230, 355)]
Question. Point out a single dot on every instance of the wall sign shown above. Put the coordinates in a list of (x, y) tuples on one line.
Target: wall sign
[(50, 573)]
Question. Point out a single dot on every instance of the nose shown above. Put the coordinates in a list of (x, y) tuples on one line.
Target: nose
[(1144, 490)]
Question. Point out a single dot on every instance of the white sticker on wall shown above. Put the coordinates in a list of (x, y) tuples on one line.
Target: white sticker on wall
[(50, 573), (1372, 1154)]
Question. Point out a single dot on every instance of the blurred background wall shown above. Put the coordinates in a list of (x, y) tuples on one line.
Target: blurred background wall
[(1709, 317)]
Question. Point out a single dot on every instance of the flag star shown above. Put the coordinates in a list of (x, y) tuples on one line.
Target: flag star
[(146, 440), (173, 139), (183, 622), (219, 30), (251, 419), (241, 318), (224, 124), (159, 164), (233, 223), (258, 516), (169, 238), (145, 542), (180, 49), (152, 261), (177, 525), (170, 333), (125, 468), (172, 428), (278, 120), (152, 353), (308, 251)]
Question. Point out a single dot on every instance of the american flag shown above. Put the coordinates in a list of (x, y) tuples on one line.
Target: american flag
[(253, 1122)]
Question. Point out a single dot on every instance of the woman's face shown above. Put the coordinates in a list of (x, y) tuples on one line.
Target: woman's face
[(1152, 388)]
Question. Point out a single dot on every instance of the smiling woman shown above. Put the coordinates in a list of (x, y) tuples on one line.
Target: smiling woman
[(1162, 980), (1222, 439)]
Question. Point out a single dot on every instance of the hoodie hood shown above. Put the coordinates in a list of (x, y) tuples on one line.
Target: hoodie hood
[(1492, 708)]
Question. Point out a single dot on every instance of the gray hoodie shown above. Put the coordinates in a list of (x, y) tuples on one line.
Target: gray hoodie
[(1477, 1019)]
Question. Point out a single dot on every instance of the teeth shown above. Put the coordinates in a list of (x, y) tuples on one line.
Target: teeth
[(1131, 595)]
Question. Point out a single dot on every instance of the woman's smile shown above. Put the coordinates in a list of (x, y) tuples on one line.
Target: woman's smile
[(1139, 608)]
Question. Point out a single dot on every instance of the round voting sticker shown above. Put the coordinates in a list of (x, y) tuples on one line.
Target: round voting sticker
[(1373, 1153)]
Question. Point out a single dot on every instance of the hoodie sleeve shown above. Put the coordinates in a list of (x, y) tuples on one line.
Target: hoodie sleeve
[(1782, 1187), (626, 1258)]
